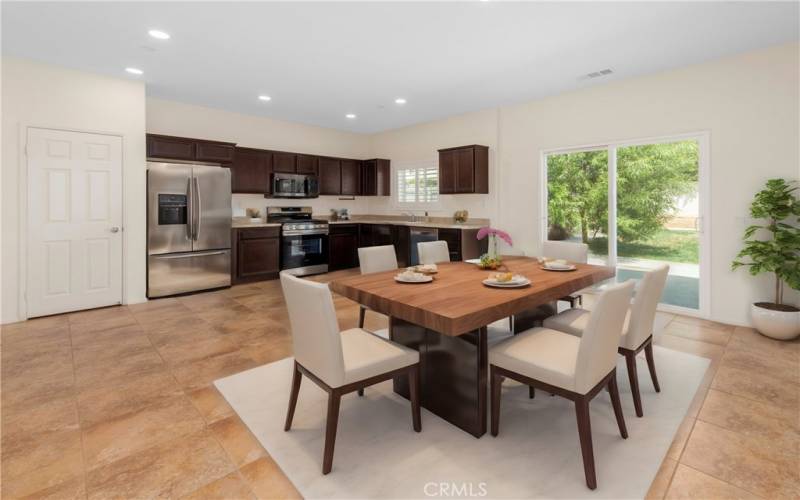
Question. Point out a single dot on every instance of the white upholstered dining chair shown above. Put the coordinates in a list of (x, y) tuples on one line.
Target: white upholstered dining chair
[(571, 252), (637, 332), (433, 252), (375, 260), (576, 368), (339, 362)]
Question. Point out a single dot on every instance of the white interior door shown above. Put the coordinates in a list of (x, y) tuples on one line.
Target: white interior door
[(74, 221)]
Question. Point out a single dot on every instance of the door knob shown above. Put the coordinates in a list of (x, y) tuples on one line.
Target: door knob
[(115, 229)]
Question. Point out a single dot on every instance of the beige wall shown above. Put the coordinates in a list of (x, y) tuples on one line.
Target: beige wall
[(48, 96), (186, 120), (749, 104)]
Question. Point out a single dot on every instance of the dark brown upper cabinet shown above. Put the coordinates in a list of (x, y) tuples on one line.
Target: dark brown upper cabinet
[(464, 170), (330, 176), (375, 177), (250, 171), (351, 177), (307, 164), (284, 162), (184, 148), (174, 148)]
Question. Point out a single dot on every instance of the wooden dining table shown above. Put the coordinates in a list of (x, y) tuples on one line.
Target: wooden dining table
[(446, 321)]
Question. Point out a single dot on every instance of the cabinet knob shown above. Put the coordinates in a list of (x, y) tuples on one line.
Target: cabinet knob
[(115, 229)]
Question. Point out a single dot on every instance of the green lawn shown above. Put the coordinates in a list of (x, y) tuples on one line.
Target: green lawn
[(667, 245)]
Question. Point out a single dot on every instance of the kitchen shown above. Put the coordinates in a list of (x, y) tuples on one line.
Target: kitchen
[(294, 237), (205, 203)]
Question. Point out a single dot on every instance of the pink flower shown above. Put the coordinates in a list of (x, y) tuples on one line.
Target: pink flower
[(504, 236), (489, 231)]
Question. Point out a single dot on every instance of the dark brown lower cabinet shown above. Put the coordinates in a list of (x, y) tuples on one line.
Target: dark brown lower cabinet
[(401, 238), (256, 254), (343, 246), (453, 239)]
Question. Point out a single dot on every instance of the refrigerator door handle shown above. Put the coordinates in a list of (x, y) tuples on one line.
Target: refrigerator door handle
[(190, 210), (198, 207)]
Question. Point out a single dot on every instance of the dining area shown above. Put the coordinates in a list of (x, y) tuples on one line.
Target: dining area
[(463, 341)]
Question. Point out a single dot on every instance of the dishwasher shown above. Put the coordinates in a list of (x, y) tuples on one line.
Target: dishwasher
[(417, 235)]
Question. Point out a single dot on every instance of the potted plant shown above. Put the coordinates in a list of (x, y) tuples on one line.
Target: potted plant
[(779, 254)]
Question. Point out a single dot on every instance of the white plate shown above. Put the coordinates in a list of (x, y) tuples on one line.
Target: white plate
[(559, 269), (507, 284), (426, 279)]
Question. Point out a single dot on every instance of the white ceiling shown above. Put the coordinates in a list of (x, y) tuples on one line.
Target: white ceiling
[(319, 61)]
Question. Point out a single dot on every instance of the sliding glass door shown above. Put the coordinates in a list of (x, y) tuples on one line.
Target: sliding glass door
[(577, 200), (637, 205)]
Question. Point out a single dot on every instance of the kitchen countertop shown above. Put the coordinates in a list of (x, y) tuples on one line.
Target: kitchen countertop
[(239, 224), (438, 225)]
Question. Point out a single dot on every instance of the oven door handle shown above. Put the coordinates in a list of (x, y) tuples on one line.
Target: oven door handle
[(323, 232)]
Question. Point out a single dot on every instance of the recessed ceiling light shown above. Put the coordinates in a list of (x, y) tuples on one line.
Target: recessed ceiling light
[(265, 98), (350, 115), (134, 71), (399, 100), (158, 34)]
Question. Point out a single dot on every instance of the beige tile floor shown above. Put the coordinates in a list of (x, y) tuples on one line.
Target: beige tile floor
[(118, 402)]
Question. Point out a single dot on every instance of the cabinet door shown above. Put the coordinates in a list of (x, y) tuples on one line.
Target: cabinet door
[(402, 244), (381, 234), (369, 178), (284, 162), (343, 251), (453, 239), (175, 148), (351, 177), (465, 171), (307, 164), (214, 151), (365, 235), (383, 178), (249, 171), (329, 176), (447, 172), (257, 257)]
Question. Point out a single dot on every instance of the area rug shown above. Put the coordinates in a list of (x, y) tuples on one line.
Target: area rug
[(536, 455)]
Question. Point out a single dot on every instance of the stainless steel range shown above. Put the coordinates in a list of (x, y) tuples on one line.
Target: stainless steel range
[(304, 241)]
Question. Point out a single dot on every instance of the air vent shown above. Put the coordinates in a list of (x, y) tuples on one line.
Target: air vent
[(598, 74)]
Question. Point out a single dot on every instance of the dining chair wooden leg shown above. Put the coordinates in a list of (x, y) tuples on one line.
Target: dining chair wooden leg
[(331, 423), (633, 377), (496, 384), (651, 364), (613, 391), (361, 392), (413, 390), (362, 312), (297, 377), (531, 392), (585, 434)]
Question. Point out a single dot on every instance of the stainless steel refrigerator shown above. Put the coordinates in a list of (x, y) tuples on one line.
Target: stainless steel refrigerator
[(188, 228)]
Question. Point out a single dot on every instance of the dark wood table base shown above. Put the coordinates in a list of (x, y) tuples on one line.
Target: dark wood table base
[(454, 373)]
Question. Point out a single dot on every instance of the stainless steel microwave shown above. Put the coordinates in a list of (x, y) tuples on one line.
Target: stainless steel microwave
[(294, 186)]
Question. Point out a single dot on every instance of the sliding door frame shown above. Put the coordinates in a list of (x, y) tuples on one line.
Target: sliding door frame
[(703, 139)]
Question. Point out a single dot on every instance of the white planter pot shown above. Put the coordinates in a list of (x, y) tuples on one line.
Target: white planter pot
[(781, 325)]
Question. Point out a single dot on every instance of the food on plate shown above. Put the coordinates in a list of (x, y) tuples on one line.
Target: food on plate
[(410, 275), (426, 268), (503, 277)]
